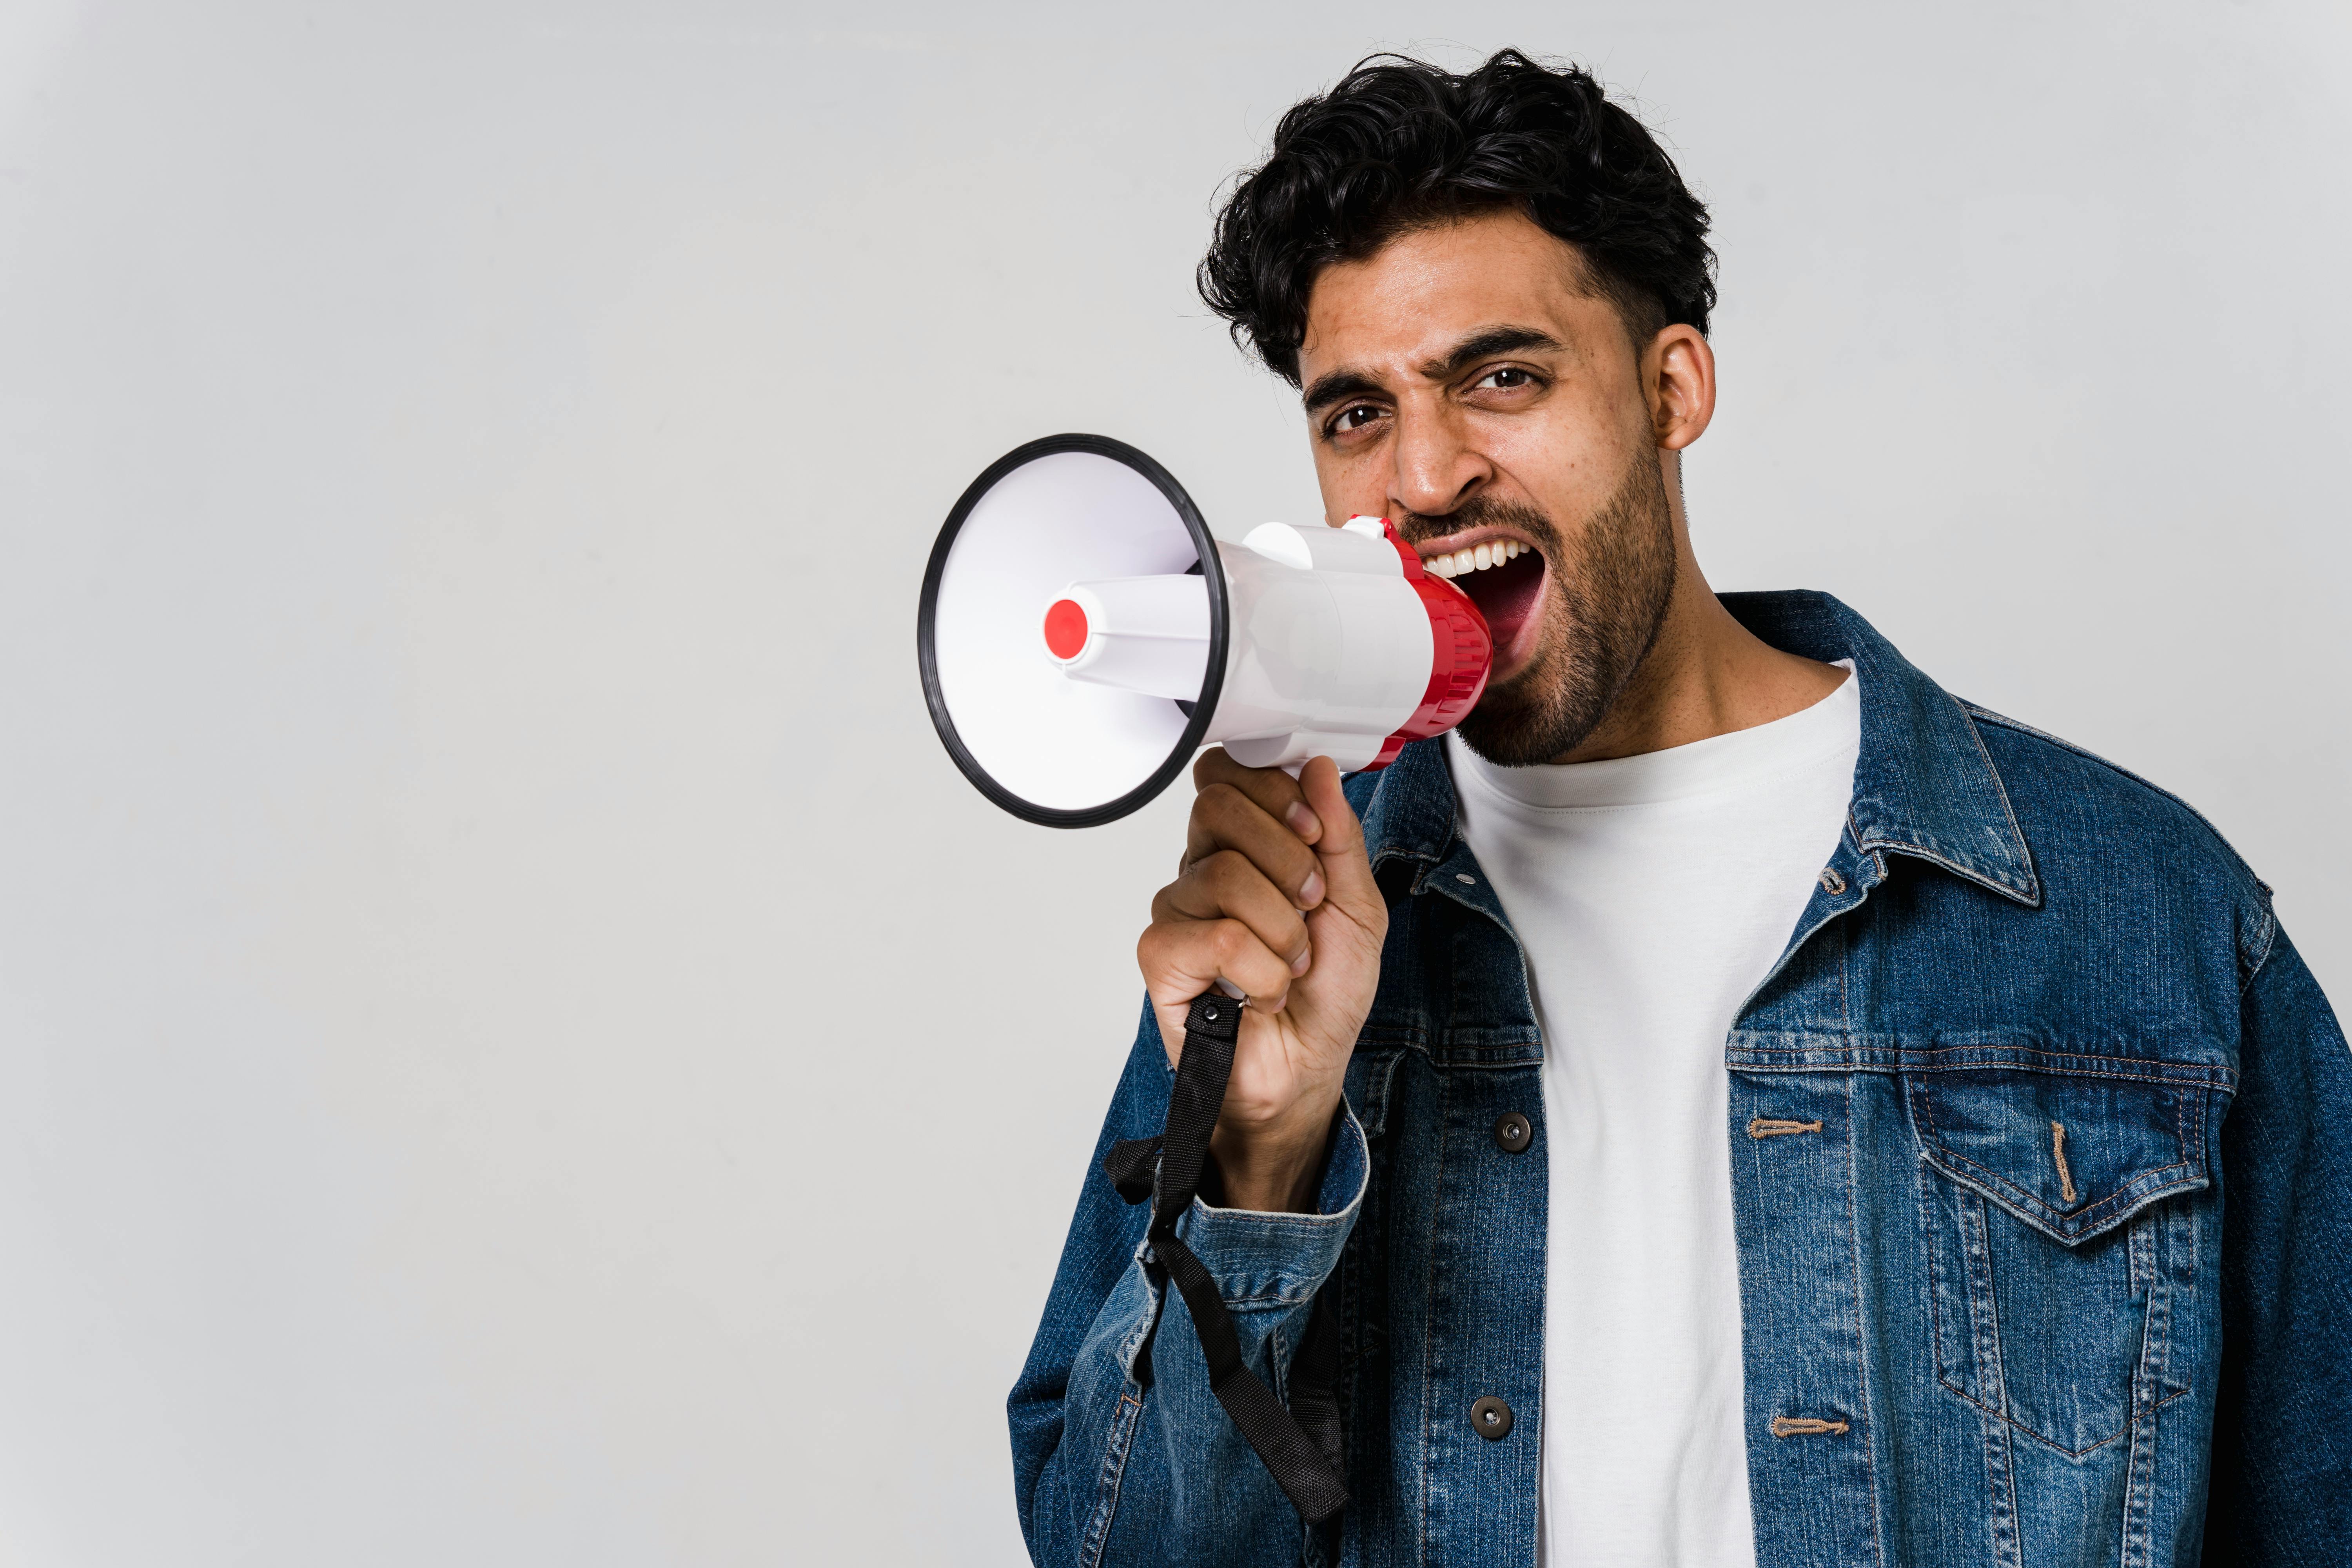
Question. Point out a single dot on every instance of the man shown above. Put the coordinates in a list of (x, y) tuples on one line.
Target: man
[(1732, 1102)]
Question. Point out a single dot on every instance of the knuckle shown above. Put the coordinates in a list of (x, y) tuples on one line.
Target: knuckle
[(1227, 871), (1268, 801), (1224, 879), (1164, 945), (1214, 796), (1215, 812), (1237, 945), (1229, 808)]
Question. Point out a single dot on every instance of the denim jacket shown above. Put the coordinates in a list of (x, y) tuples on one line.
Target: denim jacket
[(1967, 1340)]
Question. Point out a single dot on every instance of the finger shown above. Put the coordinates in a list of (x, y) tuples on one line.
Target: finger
[(1347, 871), (1225, 819), (1181, 959), (1276, 792), (1228, 885)]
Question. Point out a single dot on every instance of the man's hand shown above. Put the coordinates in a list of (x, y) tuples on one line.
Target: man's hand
[(1276, 896)]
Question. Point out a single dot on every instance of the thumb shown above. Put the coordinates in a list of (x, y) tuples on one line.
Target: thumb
[(1347, 871)]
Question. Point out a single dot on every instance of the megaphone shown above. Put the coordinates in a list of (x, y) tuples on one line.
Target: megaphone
[(1082, 634)]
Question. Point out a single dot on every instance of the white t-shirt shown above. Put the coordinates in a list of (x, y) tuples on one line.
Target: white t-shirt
[(1651, 894)]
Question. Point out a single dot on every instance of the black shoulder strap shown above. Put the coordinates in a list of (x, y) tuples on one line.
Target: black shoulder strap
[(1304, 1459)]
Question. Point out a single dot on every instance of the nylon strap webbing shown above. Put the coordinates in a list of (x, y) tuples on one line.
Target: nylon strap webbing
[(1299, 1446)]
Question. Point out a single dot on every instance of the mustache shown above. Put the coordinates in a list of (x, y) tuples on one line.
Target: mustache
[(1480, 512)]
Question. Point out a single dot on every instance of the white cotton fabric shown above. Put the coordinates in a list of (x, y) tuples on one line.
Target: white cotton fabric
[(1652, 895)]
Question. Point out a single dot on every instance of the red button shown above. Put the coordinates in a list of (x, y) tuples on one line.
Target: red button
[(1065, 629)]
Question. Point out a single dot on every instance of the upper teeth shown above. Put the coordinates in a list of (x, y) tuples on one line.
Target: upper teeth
[(1477, 558)]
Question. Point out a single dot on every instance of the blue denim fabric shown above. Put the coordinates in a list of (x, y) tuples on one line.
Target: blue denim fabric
[(1968, 1340)]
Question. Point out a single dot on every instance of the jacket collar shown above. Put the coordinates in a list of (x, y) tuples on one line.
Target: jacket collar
[(1924, 787)]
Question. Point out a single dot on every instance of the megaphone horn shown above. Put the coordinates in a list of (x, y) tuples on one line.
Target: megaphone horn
[(1081, 634)]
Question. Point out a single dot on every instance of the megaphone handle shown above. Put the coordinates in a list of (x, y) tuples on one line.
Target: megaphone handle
[(1298, 1446)]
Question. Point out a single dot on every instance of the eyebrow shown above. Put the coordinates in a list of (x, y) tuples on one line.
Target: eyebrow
[(1481, 344), (1340, 384), (1344, 384)]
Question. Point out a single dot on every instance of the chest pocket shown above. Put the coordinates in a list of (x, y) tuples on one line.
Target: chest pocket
[(2053, 1252)]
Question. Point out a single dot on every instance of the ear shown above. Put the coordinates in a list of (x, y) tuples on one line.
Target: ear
[(1678, 375)]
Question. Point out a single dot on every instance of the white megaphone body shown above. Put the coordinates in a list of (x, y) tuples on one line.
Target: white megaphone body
[(1082, 635)]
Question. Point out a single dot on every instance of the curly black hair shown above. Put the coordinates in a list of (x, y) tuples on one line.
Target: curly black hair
[(1400, 144)]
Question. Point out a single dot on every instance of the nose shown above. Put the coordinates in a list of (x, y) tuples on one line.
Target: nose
[(1436, 468)]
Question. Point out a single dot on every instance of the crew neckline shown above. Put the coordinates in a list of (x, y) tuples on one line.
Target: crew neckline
[(1810, 737)]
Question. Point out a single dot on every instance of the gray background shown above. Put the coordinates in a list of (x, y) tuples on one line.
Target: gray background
[(515, 1043)]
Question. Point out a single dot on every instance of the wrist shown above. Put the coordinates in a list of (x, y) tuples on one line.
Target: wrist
[(1272, 1163)]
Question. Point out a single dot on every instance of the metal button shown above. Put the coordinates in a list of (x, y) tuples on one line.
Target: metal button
[(1831, 882), (1491, 1419), (1465, 878), (1513, 1133)]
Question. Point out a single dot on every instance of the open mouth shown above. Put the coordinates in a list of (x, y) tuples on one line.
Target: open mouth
[(1504, 577)]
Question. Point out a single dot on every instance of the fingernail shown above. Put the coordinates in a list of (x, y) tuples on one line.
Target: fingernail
[(1302, 822), (1299, 965), (1310, 891)]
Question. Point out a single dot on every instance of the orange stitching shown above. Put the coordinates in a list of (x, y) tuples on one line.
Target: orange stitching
[(1806, 1426), (2058, 1152), (2176, 1072), (1768, 1127)]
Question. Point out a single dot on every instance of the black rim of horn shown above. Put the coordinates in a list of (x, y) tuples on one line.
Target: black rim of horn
[(1203, 708)]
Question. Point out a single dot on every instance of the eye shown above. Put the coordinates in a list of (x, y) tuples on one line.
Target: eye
[(1506, 378), (1352, 420)]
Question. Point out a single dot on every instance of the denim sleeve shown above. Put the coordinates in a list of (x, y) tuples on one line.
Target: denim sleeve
[(1109, 1468), (2281, 1479)]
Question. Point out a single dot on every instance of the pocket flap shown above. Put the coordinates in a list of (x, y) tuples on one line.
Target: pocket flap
[(2071, 1156)]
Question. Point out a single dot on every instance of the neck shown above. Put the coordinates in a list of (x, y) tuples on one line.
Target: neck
[(1706, 675)]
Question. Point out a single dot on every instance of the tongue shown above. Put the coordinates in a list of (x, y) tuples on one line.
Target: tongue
[(1505, 596)]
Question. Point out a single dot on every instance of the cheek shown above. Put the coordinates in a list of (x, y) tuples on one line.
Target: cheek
[(1568, 462), (1350, 485)]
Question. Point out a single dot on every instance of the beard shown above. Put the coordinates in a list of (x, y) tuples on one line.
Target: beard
[(1606, 593)]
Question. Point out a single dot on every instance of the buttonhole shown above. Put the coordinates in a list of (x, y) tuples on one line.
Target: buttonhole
[(1769, 1127)]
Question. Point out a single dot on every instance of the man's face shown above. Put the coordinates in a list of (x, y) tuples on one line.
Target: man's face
[(1467, 383)]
